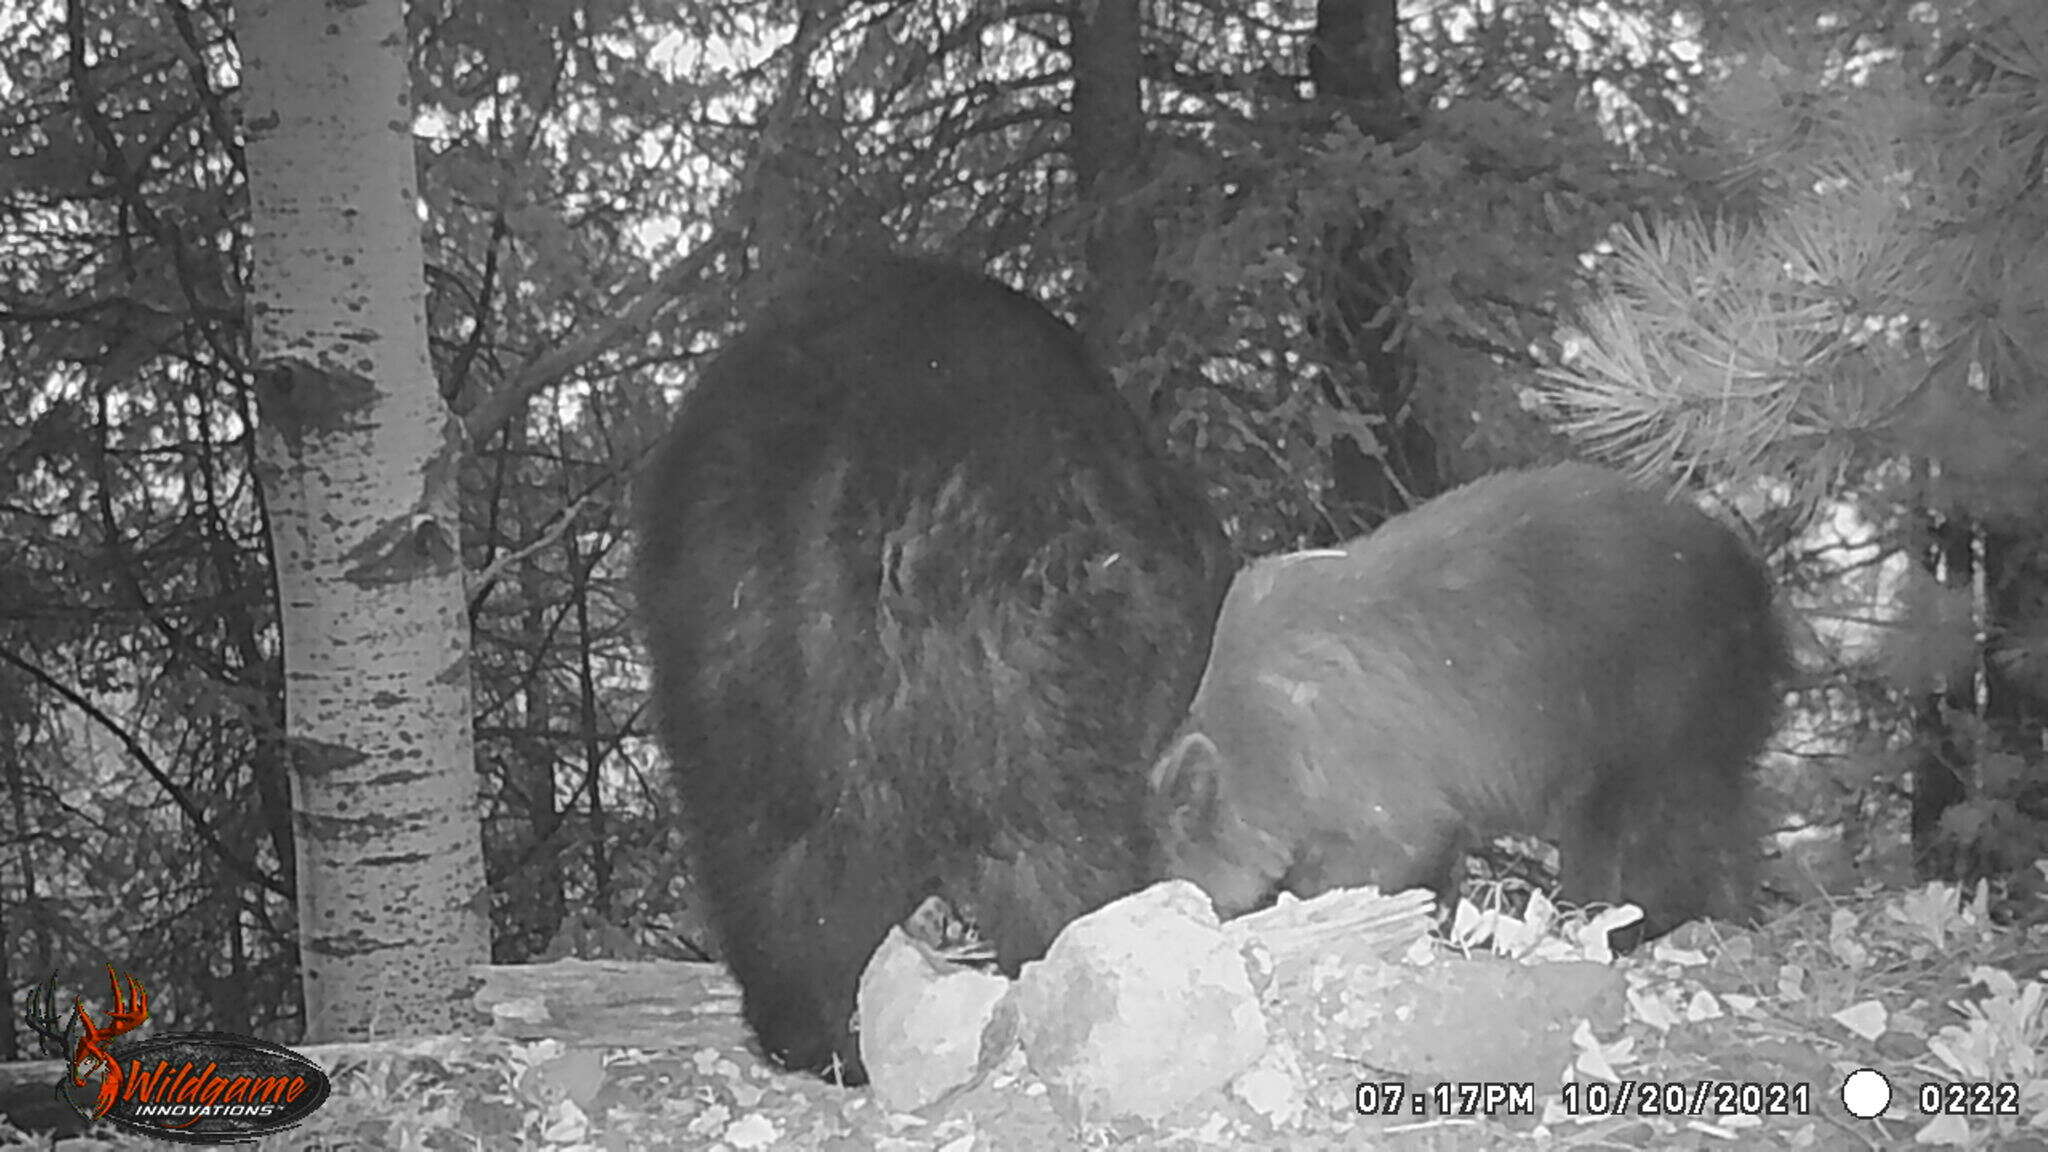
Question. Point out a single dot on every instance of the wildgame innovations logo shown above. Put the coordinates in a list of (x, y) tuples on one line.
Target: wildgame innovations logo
[(188, 1087)]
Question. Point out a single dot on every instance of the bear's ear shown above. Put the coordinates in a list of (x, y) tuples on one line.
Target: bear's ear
[(1188, 776)]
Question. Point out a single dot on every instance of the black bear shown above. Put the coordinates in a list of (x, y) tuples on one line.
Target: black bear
[(923, 606), (1554, 652)]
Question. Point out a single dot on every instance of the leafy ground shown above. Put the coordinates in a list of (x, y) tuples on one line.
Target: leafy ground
[(1912, 985)]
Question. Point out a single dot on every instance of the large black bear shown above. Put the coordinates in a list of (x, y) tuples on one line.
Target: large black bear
[(923, 606), (1555, 652)]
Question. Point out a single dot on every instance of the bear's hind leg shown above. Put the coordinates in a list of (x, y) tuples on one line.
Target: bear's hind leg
[(798, 934), (1021, 902)]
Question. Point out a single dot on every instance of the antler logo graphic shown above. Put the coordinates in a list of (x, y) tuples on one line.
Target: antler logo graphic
[(84, 1042)]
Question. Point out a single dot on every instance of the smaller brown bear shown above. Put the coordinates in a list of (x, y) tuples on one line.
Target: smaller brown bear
[(1555, 652)]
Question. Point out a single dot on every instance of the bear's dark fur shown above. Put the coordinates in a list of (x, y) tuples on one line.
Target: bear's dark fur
[(1554, 652), (923, 606)]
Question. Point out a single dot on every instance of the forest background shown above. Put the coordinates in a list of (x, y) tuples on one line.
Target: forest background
[(1344, 255)]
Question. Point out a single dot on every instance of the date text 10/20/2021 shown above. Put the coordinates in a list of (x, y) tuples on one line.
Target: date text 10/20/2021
[(1595, 1098)]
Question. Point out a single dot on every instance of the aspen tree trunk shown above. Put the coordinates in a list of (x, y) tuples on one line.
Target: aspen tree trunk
[(357, 457)]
